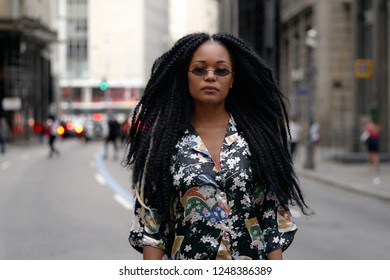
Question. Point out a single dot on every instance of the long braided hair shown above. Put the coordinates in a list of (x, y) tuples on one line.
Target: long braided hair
[(163, 114)]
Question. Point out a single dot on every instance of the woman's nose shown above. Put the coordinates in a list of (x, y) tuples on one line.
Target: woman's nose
[(210, 75)]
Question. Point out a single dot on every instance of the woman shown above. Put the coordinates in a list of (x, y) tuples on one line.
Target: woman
[(373, 130), (209, 152)]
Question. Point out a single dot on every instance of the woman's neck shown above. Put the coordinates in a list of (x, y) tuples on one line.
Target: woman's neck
[(209, 116)]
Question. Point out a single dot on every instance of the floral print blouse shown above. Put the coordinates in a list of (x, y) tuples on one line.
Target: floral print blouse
[(219, 212)]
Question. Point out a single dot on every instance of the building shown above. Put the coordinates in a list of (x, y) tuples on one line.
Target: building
[(257, 23), (187, 16), (318, 77), (106, 52), (371, 22), (335, 67), (27, 77)]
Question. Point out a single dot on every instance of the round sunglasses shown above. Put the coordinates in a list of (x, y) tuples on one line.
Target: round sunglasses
[(200, 72)]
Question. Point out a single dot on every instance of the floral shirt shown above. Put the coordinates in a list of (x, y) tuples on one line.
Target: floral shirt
[(220, 213)]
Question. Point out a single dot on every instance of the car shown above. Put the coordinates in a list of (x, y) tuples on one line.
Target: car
[(70, 128), (96, 127)]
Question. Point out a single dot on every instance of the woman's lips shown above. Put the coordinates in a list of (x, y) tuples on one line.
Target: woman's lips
[(209, 89)]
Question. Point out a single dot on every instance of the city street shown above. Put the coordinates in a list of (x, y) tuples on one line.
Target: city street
[(63, 208), (345, 225), (76, 206)]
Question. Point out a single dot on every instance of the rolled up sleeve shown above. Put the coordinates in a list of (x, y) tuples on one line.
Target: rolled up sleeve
[(277, 224), (146, 230)]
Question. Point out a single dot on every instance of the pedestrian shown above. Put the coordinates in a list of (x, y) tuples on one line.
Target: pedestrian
[(125, 127), (51, 128), (112, 137), (314, 135), (295, 135), (372, 129), (208, 149), (39, 128), (3, 134)]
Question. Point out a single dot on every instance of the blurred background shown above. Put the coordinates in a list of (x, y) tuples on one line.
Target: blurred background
[(76, 58), (86, 62)]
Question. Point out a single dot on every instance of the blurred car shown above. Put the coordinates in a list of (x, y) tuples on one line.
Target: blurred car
[(71, 128), (96, 127)]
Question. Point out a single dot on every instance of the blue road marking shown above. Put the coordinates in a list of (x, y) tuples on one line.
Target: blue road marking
[(112, 184)]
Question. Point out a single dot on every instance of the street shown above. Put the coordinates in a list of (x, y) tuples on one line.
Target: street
[(61, 208), (345, 226), (76, 206)]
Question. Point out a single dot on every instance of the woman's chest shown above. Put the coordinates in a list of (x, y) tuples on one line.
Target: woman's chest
[(194, 169)]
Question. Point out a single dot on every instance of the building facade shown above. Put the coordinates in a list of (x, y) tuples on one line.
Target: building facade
[(257, 23), (318, 78), (371, 23), (334, 67), (27, 77), (116, 44), (187, 16)]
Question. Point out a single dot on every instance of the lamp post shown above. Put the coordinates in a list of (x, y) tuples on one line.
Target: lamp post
[(311, 43)]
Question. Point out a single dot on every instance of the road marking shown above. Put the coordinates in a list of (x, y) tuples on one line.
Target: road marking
[(111, 183), (5, 165), (100, 179), (123, 202)]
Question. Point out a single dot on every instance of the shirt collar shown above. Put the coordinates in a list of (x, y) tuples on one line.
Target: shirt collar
[(193, 140)]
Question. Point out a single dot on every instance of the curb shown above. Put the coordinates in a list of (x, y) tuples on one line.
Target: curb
[(342, 185)]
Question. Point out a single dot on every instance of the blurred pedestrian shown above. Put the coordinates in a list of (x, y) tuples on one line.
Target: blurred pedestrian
[(314, 134), (39, 129), (209, 152), (3, 134), (295, 133), (373, 130), (125, 127), (112, 137), (51, 128)]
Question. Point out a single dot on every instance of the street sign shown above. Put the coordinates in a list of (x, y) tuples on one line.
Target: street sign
[(12, 103), (364, 68)]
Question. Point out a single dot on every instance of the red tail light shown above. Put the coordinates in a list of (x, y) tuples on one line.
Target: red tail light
[(69, 126)]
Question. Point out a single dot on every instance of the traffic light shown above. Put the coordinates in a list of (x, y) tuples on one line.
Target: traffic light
[(103, 86)]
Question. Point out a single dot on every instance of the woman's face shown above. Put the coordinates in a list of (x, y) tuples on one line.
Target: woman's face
[(210, 87)]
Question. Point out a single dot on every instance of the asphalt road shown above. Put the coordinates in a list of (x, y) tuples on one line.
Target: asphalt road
[(62, 208), (76, 207), (345, 226)]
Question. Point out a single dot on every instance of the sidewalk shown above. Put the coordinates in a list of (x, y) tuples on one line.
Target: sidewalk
[(356, 177)]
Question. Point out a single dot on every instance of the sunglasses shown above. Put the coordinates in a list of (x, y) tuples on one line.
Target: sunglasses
[(200, 72)]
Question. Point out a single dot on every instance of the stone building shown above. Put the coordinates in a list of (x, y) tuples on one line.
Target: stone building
[(27, 77), (334, 67), (256, 22), (371, 24), (316, 50)]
